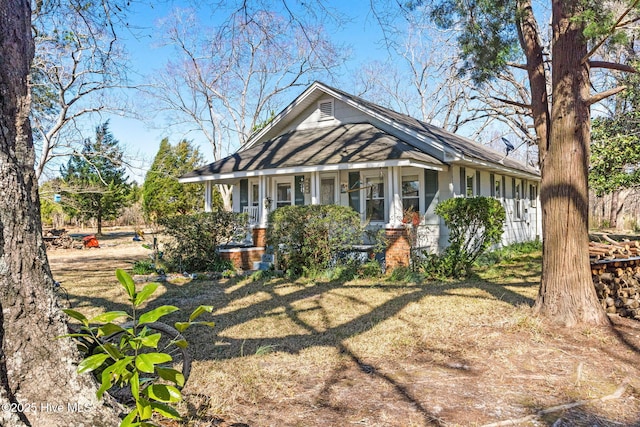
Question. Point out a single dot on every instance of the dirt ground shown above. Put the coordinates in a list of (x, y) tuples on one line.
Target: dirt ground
[(446, 354)]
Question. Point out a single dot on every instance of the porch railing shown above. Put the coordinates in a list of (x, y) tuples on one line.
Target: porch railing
[(252, 212)]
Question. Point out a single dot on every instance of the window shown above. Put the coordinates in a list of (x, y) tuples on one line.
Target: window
[(518, 197), (326, 110), (327, 191), (298, 187), (430, 196), (255, 195), (497, 189), (411, 193), (469, 189), (533, 195), (354, 191), (283, 194), (375, 198)]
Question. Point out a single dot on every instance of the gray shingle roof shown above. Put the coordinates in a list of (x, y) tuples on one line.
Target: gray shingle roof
[(454, 142), (347, 143)]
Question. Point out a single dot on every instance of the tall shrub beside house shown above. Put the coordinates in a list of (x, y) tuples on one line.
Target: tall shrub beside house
[(194, 239), (308, 238), (474, 225)]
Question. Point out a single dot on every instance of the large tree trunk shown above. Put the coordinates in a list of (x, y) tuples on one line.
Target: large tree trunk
[(567, 295), (39, 385)]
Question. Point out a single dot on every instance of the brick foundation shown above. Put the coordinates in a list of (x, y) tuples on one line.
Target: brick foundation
[(398, 251), (242, 258), (260, 237)]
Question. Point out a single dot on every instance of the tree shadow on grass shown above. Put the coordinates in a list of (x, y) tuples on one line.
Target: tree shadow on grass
[(239, 301)]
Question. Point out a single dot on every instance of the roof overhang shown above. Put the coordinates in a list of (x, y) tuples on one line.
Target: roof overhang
[(492, 167), (307, 169)]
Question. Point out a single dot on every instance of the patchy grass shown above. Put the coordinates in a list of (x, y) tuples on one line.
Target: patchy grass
[(382, 352)]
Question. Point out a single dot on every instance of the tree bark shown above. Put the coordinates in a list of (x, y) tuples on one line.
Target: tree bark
[(567, 295), (616, 208), (39, 385)]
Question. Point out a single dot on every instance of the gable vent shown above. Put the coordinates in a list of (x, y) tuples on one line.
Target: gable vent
[(326, 110)]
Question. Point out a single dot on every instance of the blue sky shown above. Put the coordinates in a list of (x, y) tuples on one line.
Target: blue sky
[(142, 138)]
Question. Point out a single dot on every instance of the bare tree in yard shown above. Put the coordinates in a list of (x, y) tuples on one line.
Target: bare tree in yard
[(226, 81), (422, 78), (494, 36), (78, 65), (39, 385)]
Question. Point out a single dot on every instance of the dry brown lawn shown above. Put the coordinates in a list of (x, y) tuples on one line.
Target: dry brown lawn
[(380, 353)]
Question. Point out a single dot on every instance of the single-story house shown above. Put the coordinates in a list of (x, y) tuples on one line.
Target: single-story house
[(329, 147)]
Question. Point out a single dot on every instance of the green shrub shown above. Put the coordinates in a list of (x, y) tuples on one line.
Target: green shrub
[(474, 225), (404, 274), (143, 267), (509, 252), (306, 239), (195, 240), (370, 269)]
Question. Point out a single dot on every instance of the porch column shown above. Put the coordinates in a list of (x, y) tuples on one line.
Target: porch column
[(207, 196), (398, 251), (260, 231), (263, 212), (395, 200), (315, 188)]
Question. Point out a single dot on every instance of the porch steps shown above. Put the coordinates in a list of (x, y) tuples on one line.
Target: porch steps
[(265, 264)]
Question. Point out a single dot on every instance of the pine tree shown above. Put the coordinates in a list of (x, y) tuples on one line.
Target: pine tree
[(96, 180), (163, 196)]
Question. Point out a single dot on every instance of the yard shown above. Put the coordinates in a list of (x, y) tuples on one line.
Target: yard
[(379, 353)]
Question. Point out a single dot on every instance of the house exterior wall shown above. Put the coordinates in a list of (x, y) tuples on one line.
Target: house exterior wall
[(522, 223), (522, 218)]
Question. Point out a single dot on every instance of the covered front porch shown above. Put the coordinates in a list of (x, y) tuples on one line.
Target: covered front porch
[(377, 174), (385, 195)]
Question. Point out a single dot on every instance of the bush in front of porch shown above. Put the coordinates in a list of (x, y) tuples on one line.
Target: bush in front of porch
[(307, 239), (195, 240)]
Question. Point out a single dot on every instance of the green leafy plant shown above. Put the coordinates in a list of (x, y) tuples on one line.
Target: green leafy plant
[(474, 225), (307, 239), (195, 240), (128, 357), (143, 267)]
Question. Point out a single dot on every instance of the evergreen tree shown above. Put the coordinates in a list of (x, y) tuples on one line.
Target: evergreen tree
[(615, 148), (163, 196), (498, 35), (95, 180)]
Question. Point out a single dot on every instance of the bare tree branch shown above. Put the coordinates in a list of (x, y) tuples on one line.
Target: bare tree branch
[(603, 95), (613, 66)]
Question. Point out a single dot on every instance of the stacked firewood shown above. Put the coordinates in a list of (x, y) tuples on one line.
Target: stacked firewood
[(615, 267), (57, 239), (613, 250)]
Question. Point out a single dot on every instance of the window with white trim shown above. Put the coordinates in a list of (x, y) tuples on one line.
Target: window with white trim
[(283, 194), (518, 198), (327, 191), (469, 188), (533, 195), (411, 193), (255, 195), (375, 198)]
